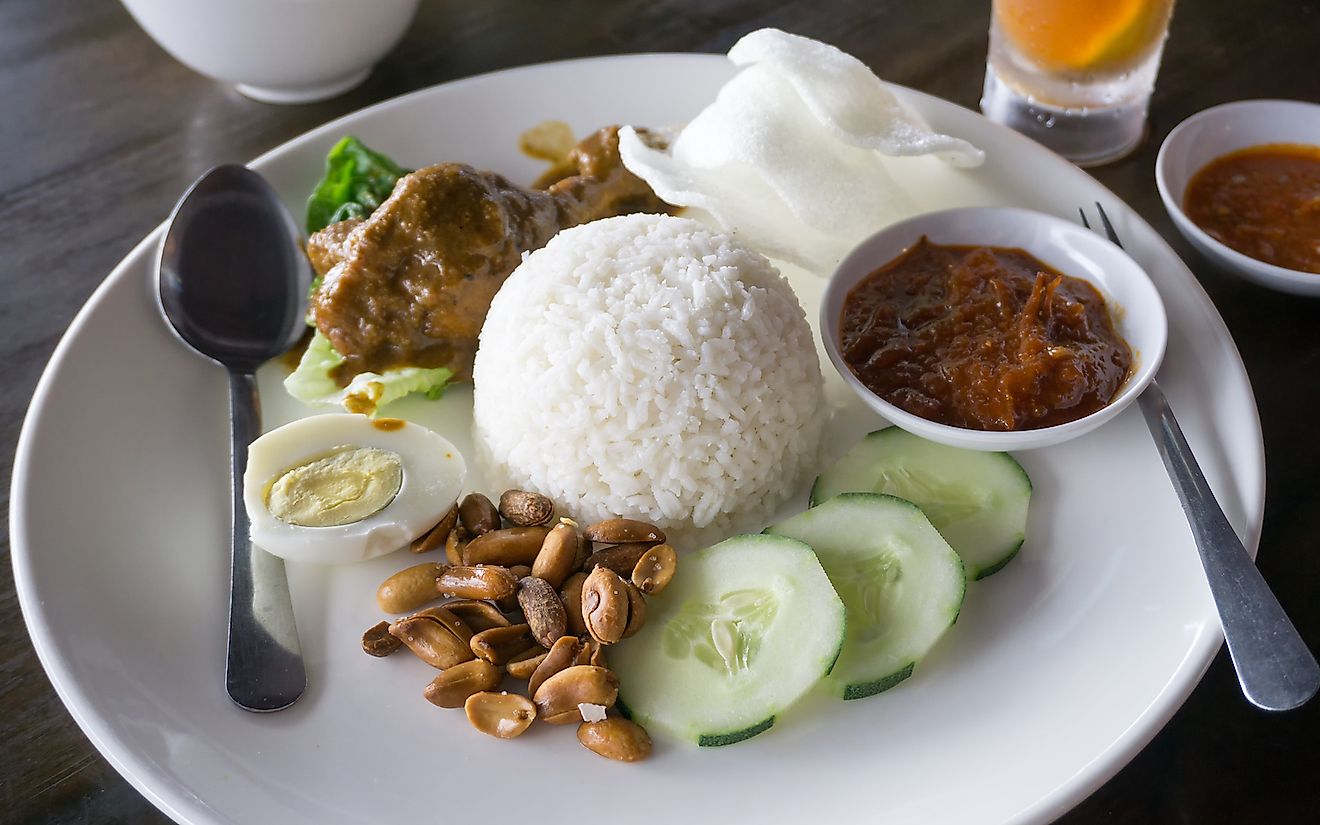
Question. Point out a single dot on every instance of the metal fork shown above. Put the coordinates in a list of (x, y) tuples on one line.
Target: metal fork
[(1273, 664)]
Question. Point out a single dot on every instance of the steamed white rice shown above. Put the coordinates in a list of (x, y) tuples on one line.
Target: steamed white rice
[(646, 366)]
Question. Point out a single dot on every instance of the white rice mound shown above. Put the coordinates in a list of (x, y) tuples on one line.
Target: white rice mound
[(649, 367)]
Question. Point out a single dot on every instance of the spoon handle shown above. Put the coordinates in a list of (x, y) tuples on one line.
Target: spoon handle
[(1274, 666), (264, 671)]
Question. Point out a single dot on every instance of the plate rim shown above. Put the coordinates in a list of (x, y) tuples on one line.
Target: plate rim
[(177, 802)]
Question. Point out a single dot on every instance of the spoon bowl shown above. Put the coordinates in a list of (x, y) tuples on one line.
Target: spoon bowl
[(233, 281), (233, 286)]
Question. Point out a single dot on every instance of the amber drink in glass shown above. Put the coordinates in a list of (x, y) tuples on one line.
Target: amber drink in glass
[(1075, 75)]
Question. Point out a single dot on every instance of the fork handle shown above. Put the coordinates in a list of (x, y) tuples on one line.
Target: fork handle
[(1273, 664)]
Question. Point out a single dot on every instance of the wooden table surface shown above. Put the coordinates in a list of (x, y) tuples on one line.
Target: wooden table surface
[(101, 131)]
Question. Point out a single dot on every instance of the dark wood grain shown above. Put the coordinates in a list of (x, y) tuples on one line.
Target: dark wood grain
[(101, 131)]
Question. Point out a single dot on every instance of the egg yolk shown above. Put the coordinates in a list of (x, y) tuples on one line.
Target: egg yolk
[(344, 486)]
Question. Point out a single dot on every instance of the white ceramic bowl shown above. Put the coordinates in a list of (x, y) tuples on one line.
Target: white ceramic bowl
[(1217, 131), (277, 51), (1135, 306)]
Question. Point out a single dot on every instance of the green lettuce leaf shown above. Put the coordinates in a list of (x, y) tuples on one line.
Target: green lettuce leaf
[(356, 181), (313, 384)]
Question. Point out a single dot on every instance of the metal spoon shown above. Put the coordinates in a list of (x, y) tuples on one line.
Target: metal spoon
[(233, 285), (1275, 668)]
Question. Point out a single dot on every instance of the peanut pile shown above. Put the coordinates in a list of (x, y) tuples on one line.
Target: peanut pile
[(531, 602)]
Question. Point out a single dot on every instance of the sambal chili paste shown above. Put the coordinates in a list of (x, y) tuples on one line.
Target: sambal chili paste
[(985, 338)]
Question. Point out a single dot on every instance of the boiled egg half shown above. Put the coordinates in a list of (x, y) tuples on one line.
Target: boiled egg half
[(333, 489)]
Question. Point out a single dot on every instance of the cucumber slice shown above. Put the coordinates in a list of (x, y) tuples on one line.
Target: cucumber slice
[(977, 500), (901, 582), (746, 627)]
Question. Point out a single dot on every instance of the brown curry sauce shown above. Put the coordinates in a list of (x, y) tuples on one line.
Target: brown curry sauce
[(410, 285), (984, 338)]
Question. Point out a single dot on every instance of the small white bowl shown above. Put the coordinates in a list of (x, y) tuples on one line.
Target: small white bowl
[(277, 51), (1215, 132), (1134, 304)]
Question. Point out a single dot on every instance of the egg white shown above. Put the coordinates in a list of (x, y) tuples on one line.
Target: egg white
[(433, 473)]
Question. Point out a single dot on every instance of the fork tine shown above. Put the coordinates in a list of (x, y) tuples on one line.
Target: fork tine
[(1109, 227), (1085, 222)]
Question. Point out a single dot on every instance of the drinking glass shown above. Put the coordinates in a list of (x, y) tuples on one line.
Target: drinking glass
[(1075, 75)]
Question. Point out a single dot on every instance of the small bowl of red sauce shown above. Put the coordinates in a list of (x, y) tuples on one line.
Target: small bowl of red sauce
[(1241, 182), (993, 328)]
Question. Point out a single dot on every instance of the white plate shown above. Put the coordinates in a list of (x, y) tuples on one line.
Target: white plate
[(1060, 668)]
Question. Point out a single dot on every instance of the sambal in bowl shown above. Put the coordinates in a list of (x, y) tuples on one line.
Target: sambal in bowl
[(993, 328), (1241, 181)]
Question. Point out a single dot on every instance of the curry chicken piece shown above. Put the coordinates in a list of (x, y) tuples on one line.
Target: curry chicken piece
[(411, 284)]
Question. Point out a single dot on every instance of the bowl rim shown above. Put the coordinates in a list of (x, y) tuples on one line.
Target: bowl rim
[(1137, 381), (1173, 205)]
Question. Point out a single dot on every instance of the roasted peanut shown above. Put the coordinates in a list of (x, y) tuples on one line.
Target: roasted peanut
[(431, 641), (438, 534), (621, 558), (478, 515), (500, 644), (543, 610), (636, 609), (481, 581), (554, 561), (571, 594), (586, 649), (558, 697), (503, 715), (562, 655), (624, 530), (526, 509), (458, 539), (510, 546), (584, 551), (605, 605), (451, 621), (410, 588), (509, 604), (377, 641), (615, 738), (591, 653), (525, 664), (655, 569), (453, 687), (477, 615)]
